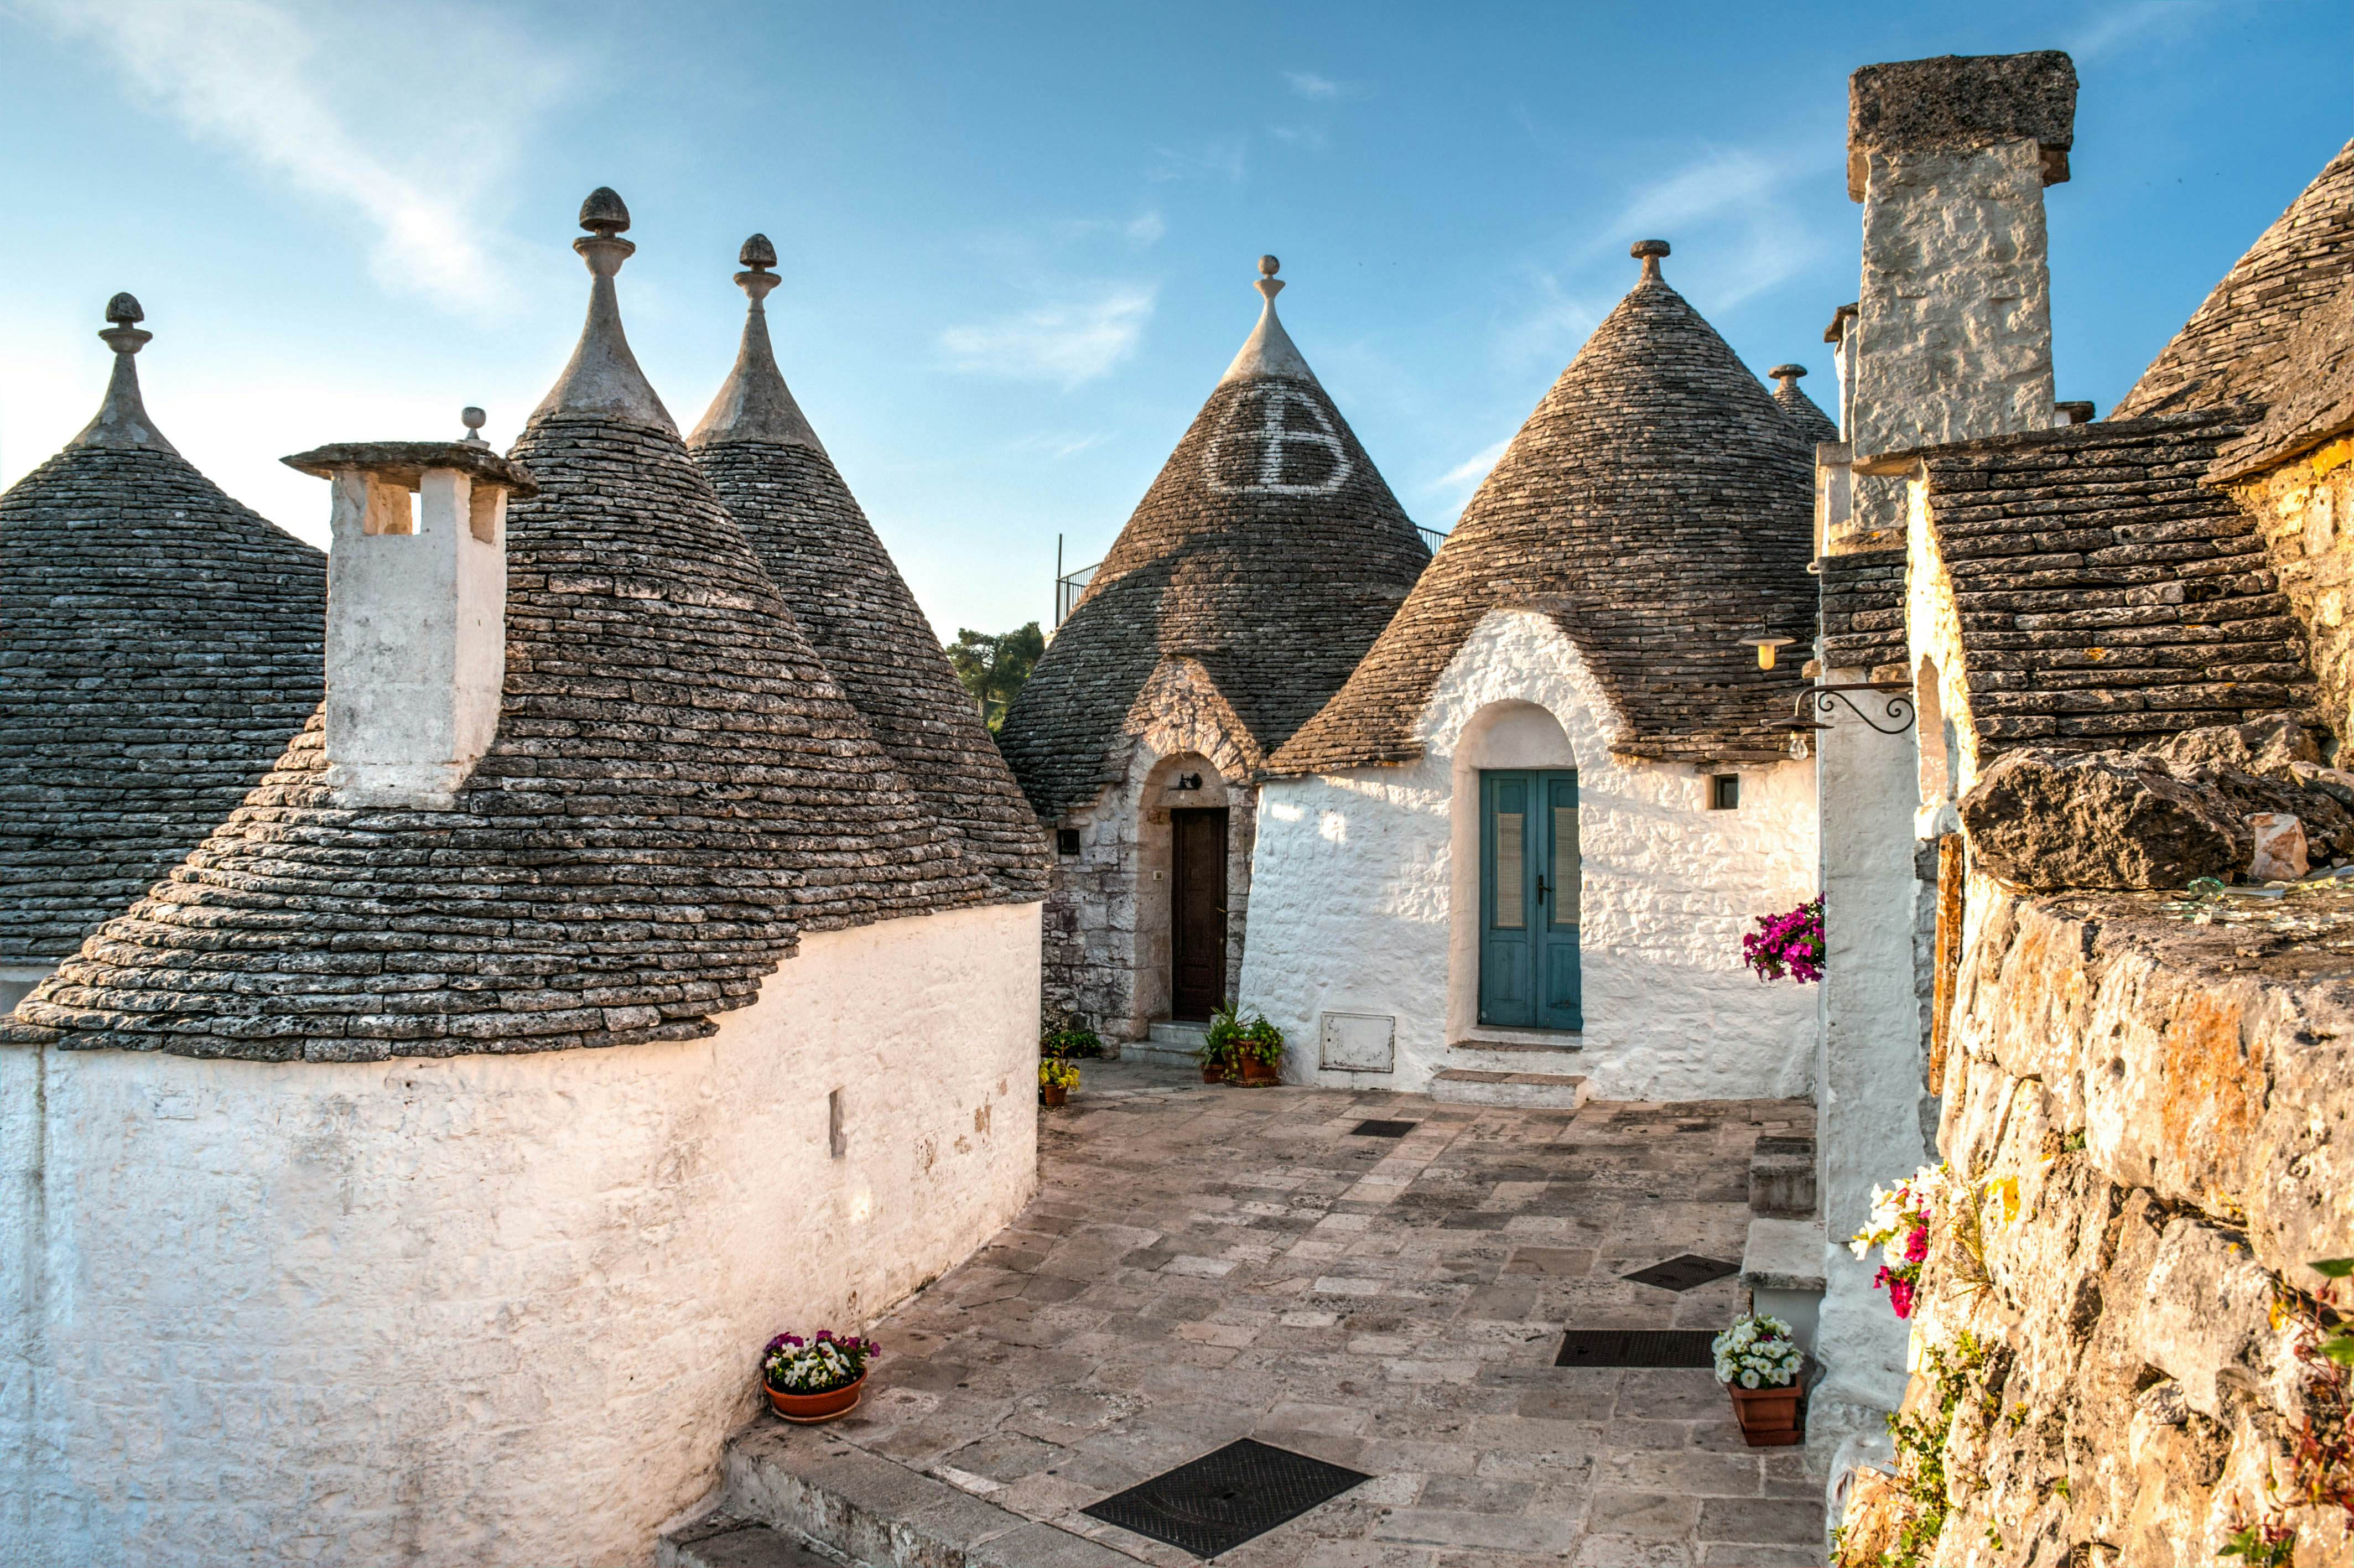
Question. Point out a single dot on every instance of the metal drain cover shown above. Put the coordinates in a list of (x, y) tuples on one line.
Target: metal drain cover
[(1637, 1348), (1382, 1128), (1684, 1273), (1218, 1501)]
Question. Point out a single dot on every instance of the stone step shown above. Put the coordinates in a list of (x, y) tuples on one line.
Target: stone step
[(1526, 1091), (723, 1541), (1552, 1056), (1782, 1177), (1167, 1044), (814, 1490)]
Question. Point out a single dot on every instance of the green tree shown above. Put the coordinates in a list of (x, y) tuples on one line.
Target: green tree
[(994, 668)]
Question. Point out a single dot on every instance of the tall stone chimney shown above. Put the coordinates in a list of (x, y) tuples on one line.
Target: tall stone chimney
[(417, 592), (1953, 331)]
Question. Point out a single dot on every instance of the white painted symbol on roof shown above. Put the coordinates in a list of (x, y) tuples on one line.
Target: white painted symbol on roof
[(1272, 433)]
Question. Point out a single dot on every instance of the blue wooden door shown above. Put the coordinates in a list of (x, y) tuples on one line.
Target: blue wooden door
[(1528, 900)]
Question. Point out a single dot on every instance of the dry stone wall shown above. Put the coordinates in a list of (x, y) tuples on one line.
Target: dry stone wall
[(2150, 1112), (2305, 511)]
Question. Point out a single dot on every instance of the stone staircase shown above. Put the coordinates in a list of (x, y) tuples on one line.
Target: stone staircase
[(1168, 1044), (793, 1498)]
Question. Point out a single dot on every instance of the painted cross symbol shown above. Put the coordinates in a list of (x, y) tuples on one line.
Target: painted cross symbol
[(1272, 432)]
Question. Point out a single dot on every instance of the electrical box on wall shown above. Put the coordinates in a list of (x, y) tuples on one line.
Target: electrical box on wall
[(1359, 1042)]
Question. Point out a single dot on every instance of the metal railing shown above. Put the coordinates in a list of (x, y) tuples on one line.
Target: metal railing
[(1432, 537)]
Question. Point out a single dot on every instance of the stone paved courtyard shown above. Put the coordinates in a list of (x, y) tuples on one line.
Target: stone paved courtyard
[(1204, 1264)]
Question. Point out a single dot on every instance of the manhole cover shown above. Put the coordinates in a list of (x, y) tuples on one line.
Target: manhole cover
[(1218, 1501), (1637, 1348), (1684, 1273), (1382, 1129)]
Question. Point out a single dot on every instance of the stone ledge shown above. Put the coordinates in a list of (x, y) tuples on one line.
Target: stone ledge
[(1784, 1255), (871, 1510)]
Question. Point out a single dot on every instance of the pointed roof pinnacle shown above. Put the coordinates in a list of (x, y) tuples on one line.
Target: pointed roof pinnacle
[(1649, 250), (1787, 376), (122, 422), (1268, 351), (602, 377), (754, 403)]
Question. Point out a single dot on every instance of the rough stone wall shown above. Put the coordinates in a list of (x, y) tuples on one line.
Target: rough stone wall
[(481, 1308), (2153, 1115), (1107, 954), (1366, 893), (1955, 321), (2305, 511)]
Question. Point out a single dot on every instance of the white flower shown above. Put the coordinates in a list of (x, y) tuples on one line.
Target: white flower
[(1749, 1380)]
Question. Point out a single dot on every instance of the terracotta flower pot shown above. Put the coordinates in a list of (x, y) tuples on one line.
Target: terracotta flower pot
[(808, 1409), (1257, 1071), (1053, 1093), (1769, 1417), (1213, 1072)]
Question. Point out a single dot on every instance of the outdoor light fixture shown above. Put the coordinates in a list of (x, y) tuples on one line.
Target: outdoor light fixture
[(1765, 643), (1898, 709)]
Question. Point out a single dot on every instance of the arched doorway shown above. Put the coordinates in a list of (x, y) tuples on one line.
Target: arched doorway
[(1184, 912), (1516, 890)]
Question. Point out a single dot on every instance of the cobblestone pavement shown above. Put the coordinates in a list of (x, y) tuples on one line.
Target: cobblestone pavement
[(1204, 1264)]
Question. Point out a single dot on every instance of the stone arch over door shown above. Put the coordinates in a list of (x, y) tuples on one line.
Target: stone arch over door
[(1163, 793), (1501, 735)]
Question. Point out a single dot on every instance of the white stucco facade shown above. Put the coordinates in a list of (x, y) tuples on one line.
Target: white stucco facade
[(1364, 891), (486, 1308)]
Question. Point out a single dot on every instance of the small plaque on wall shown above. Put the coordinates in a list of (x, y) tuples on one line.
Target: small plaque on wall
[(1359, 1042)]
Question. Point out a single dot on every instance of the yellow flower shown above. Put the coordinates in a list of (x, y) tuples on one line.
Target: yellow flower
[(2007, 1191)]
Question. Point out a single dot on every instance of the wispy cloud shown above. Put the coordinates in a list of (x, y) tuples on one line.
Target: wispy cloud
[(1057, 445), (1457, 483), (2121, 27), (1069, 344), (1143, 231), (1308, 84), (400, 123), (1221, 157), (1311, 137), (1728, 203)]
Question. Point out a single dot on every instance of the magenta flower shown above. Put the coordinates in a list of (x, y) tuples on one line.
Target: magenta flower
[(1916, 1245)]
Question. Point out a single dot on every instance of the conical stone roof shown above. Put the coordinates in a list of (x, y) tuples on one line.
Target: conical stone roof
[(1659, 506), (159, 643), (1814, 425), (2235, 349), (1269, 551), (676, 790), (763, 459)]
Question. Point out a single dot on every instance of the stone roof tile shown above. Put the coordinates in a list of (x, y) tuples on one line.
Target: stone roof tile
[(677, 789), (2235, 346), (160, 644), (764, 461), (1658, 505), (1269, 551)]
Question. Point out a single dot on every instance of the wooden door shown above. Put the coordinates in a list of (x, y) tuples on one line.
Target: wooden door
[(1528, 889), (1197, 911)]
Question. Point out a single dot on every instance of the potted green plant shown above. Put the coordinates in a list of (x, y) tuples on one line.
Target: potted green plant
[(1217, 1052), (1259, 1050), (1761, 1366), (1056, 1079), (1069, 1038), (816, 1379)]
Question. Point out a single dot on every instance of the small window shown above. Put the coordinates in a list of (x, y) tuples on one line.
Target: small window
[(1066, 840), (1724, 793)]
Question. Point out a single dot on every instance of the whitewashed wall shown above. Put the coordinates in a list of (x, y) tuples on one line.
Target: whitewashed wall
[(487, 1310), (1365, 890)]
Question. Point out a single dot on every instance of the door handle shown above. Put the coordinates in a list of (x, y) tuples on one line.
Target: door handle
[(1541, 887)]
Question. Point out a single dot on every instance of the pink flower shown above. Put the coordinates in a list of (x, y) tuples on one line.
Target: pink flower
[(1916, 1246), (1900, 1296)]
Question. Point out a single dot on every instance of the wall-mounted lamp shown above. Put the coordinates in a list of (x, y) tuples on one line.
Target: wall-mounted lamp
[(1765, 643), (1186, 782)]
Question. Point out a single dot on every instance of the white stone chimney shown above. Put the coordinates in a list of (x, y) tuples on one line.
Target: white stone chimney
[(1952, 335), (417, 592)]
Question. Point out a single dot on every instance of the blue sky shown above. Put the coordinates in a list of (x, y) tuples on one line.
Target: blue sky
[(1018, 240)]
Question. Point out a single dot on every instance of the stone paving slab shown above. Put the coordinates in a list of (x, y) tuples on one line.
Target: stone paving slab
[(1204, 1263)]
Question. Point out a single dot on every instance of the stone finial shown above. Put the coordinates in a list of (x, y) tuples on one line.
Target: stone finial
[(754, 403), (603, 377), (1787, 375), (1649, 252), (473, 418), (122, 421), (1268, 351), (604, 214)]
